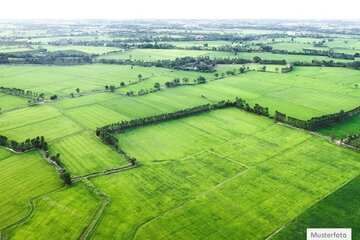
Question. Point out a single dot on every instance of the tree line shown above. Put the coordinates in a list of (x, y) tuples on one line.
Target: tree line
[(39, 143), (352, 140), (317, 122), (201, 64), (70, 57)]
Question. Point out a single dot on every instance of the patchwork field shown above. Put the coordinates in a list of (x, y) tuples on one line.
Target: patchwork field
[(188, 165)]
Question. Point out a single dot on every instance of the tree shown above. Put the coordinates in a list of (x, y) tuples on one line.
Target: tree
[(72, 94), (157, 85), (185, 80), (356, 85), (140, 77), (53, 97), (65, 176), (201, 79), (122, 84), (112, 88), (242, 69), (106, 87), (216, 75), (257, 59), (77, 90)]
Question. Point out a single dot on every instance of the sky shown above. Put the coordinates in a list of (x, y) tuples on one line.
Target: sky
[(180, 9)]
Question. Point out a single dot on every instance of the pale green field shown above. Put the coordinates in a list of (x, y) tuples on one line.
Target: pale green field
[(265, 175), (59, 215), (83, 153), (23, 176), (86, 49), (14, 49), (288, 57), (9, 102), (211, 44), (150, 55), (63, 80)]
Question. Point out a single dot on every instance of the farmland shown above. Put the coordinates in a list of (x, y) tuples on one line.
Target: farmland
[(177, 129), (175, 209)]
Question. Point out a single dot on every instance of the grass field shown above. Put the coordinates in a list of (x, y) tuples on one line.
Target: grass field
[(265, 189), (23, 176), (339, 210), (59, 215), (83, 153)]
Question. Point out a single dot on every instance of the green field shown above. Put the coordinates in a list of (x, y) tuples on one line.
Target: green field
[(156, 54), (59, 215), (146, 153), (170, 154), (171, 54), (23, 177), (339, 210), (83, 153), (9, 102), (86, 49)]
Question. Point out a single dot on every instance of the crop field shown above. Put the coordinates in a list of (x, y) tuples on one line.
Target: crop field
[(106, 132), (169, 148), (23, 176), (339, 210), (9, 102), (75, 206), (82, 154)]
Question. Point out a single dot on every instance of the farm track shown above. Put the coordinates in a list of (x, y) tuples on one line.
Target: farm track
[(90, 228)]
